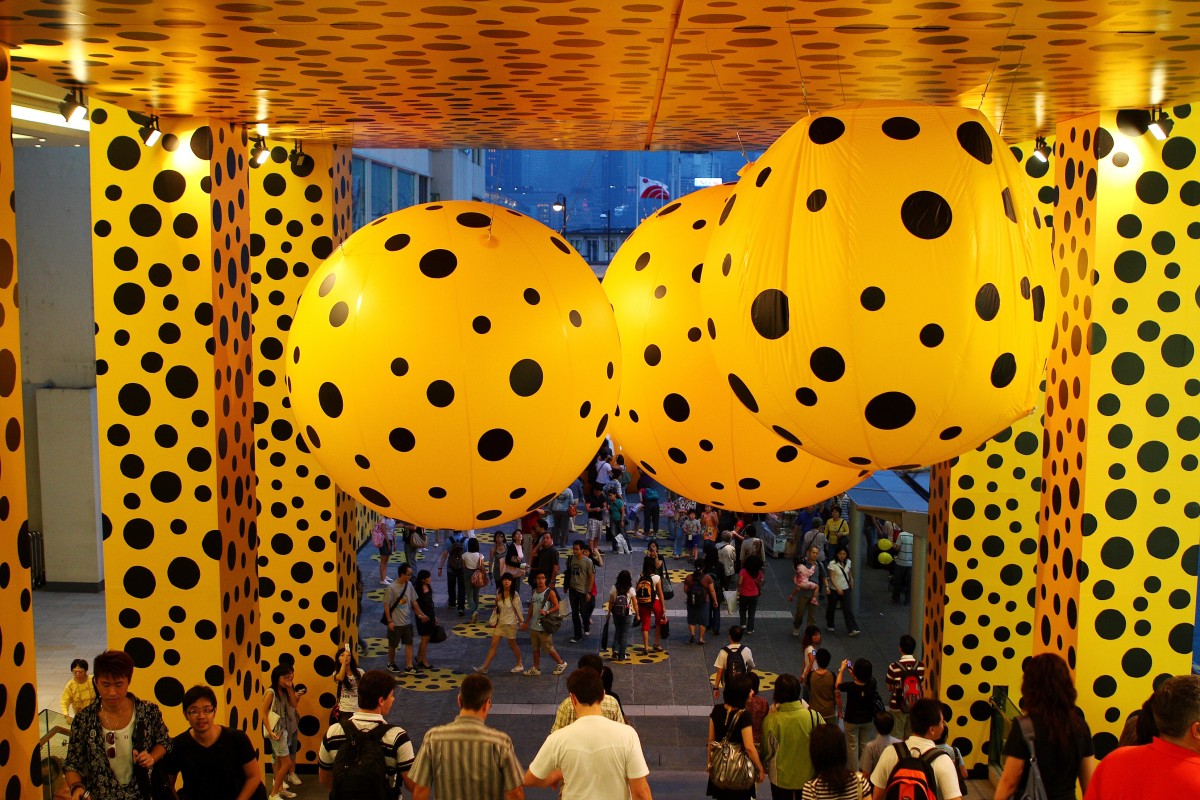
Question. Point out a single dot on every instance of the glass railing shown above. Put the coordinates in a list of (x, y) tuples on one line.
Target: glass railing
[(54, 730), (1004, 714)]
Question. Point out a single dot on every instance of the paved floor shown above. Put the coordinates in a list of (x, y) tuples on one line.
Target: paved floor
[(667, 702)]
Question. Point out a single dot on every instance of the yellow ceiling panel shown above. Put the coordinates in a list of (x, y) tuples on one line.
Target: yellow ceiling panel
[(572, 74)]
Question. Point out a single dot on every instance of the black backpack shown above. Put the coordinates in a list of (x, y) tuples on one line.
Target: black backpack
[(735, 663), (456, 554), (696, 596), (359, 766)]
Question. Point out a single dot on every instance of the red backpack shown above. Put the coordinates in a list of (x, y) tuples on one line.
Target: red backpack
[(913, 778)]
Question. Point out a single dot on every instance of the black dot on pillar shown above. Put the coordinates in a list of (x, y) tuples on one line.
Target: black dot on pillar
[(926, 215), (438, 263), (124, 153), (890, 410), (129, 298), (743, 393), (973, 138), (825, 130), (473, 219), (338, 314), (274, 184), (1004, 370), (440, 394), (652, 355), (827, 364), (525, 378), (145, 220), (402, 440), (481, 324), (133, 399), (769, 314), (169, 185), (166, 487), (183, 573), (872, 298), (932, 335), (677, 455), (330, 399), (676, 407), (397, 242), (495, 445), (374, 496), (987, 302)]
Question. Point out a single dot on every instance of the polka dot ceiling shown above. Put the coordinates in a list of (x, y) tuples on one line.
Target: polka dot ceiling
[(618, 75)]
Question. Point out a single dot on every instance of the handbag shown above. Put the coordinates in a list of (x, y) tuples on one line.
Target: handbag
[(271, 723), (418, 539), (731, 599), (1033, 788), (604, 635), (664, 628), (494, 619), (439, 634), (880, 706), (479, 578), (729, 767), (572, 510), (551, 622), (667, 589)]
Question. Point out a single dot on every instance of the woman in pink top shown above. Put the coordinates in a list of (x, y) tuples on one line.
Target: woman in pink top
[(750, 581)]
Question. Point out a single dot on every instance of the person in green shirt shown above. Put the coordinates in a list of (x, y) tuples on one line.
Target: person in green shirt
[(786, 733)]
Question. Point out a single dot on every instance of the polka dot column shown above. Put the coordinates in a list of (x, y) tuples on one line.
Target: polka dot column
[(1119, 538), (310, 529), (20, 770), (171, 255)]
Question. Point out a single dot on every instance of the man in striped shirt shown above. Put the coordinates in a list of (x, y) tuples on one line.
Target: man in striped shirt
[(467, 760), (376, 694), (609, 707)]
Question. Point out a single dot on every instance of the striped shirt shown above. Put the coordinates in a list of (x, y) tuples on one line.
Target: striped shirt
[(397, 749), (467, 760), (856, 788), (904, 548), (609, 707)]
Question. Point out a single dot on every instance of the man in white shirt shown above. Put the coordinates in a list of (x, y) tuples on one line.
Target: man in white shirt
[(727, 555), (603, 472), (723, 655), (593, 758), (902, 576), (927, 724)]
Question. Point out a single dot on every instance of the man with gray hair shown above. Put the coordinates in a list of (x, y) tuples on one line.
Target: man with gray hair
[(1167, 767)]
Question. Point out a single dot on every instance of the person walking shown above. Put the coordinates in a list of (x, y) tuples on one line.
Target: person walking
[(700, 591), (581, 573), (841, 581), (544, 601), (346, 683), (858, 709), (902, 574), (400, 600), (560, 515), (733, 660), (650, 604), (506, 617), (466, 759), (383, 536), (621, 604), (749, 587), (927, 724), (217, 762), (474, 576), (786, 733), (79, 692), (376, 696), (729, 718), (833, 779), (610, 705), (809, 598), (905, 683), (281, 726)]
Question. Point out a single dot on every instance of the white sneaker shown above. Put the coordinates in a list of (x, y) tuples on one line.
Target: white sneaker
[(384, 581), (519, 668), (285, 793), (294, 779), (275, 797)]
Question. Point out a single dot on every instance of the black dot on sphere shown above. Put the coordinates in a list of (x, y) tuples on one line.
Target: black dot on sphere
[(1152, 187), (825, 130), (525, 378), (330, 398), (1120, 504), (926, 215), (1128, 369), (586, 409), (816, 200), (374, 496), (749, 484), (402, 439), (806, 396), (600, 426), (660, 292), (399, 367), (440, 394), (1004, 370), (183, 572), (901, 128), (987, 302), (786, 454), (124, 153), (953, 432), (169, 185), (676, 407), (560, 244), (827, 364), (769, 314), (166, 487), (694, 334), (743, 393), (1178, 350), (438, 263), (133, 399), (437, 492), (129, 298), (890, 410), (1136, 663), (495, 445), (1153, 456), (338, 314), (532, 297), (145, 220), (487, 516), (610, 370), (727, 210), (397, 241), (473, 219), (652, 355), (138, 533), (139, 582), (677, 455), (1039, 303), (481, 324), (761, 179), (973, 138), (872, 298), (787, 435), (641, 262), (575, 318)]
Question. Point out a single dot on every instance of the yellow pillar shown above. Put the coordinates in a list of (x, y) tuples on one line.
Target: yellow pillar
[(20, 770), (171, 251)]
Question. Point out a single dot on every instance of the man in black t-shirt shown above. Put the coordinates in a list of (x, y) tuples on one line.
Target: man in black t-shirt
[(217, 762)]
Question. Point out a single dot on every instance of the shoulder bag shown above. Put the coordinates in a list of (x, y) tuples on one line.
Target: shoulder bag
[(1033, 789), (667, 588), (729, 767), (418, 539), (551, 622)]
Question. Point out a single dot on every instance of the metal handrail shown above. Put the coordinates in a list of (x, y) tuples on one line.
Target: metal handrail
[(55, 731)]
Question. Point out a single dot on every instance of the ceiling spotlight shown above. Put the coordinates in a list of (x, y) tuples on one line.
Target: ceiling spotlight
[(1161, 124), (1041, 150), (150, 133), (300, 159), (73, 107), (260, 152)]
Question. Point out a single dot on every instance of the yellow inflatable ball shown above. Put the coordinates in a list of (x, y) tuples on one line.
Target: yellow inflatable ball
[(884, 544), (885, 559), (676, 416), (453, 364), (877, 285)]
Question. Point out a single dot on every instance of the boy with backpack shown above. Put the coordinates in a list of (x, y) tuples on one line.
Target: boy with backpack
[(367, 757), (456, 586), (701, 599), (733, 659), (917, 769), (906, 682)]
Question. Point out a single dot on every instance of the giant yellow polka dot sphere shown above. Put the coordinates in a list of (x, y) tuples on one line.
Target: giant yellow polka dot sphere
[(453, 364), (678, 418), (878, 285)]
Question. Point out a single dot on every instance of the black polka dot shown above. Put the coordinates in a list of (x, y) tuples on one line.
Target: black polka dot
[(330, 399), (438, 263), (495, 445), (769, 314), (145, 220), (1004, 370), (561, 245), (642, 262), (786, 454), (974, 139), (437, 492), (327, 284), (743, 393), (481, 324), (169, 185), (440, 394), (727, 209), (532, 297), (399, 367), (396, 242), (652, 355), (694, 334), (677, 455), (473, 219), (762, 176), (338, 314), (662, 212), (575, 318), (706, 445), (987, 302), (824, 130), (806, 396), (182, 381), (1179, 152), (183, 572), (602, 425), (872, 298), (1006, 201), (932, 335), (749, 484), (402, 440), (817, 199), (890, 410), (953, 432), (1129, 266), (374, 497), (525, 378), (676, 407), (660, 292), (489, 515), (1152, 187), (827, 364), (901, 128), (926, 215), (124, 153), (129, 298)]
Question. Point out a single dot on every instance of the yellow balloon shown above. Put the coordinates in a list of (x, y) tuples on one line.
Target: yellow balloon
[(884, 544), (677, 417), (878, 285), (885, 558), (453, 364)]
